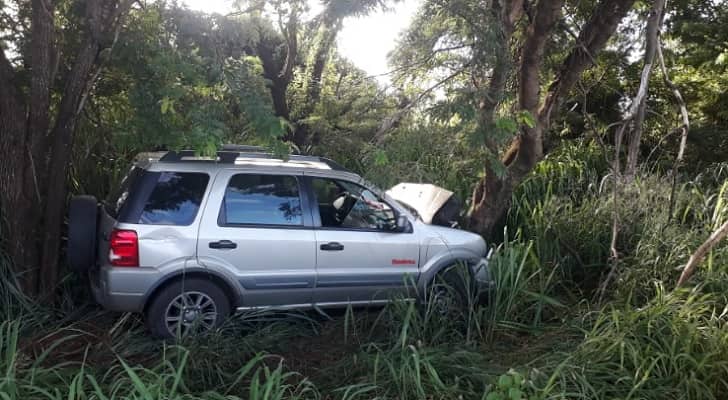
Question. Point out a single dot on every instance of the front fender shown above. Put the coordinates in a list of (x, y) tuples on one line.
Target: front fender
[(443, 260)]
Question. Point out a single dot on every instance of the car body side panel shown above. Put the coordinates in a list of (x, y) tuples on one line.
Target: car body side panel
[(373, 265), (273, 265), (162, 250)]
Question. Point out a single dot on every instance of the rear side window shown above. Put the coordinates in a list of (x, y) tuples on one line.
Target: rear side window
[(261, 200), (174, 199)]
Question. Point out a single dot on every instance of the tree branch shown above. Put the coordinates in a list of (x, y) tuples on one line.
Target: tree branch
[(530, 148), (680, 101), (591, 40), (683, 129), (700, 253), (546, 16), (392, 120)]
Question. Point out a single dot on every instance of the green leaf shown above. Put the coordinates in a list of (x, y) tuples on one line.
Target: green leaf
[(505, 382), (515, 394), (494, 396), (517, 379), (525, 118), (165, 104), (507, 125), (380, 158)]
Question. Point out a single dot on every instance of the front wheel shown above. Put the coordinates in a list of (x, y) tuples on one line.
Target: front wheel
[(450, 291), (187, 307)]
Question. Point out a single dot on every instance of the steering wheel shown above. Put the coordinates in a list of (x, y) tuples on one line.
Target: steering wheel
[(343, 204)]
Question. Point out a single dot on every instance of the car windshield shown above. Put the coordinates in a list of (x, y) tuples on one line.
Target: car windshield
[(381, 193), (408, 208)]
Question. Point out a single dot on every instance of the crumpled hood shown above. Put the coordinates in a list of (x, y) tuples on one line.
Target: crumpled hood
[(434, 204)]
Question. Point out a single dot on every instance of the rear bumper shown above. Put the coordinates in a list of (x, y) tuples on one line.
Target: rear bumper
[(122, 289)]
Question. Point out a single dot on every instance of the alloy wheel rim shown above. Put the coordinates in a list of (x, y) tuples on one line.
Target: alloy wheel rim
[(190, 312), (442, 301)]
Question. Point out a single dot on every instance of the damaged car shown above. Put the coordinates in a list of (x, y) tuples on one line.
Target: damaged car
[(189, 240)]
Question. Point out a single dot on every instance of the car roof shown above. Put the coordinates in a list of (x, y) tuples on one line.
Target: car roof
[(244, 161)]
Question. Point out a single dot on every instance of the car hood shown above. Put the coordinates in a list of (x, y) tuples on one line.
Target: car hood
[(456, 238), (435, 205)]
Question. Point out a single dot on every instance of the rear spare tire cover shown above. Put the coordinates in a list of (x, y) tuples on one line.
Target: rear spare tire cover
[(82, 221)]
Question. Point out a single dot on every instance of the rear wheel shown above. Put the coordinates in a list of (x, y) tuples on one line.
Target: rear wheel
[(187, 307)]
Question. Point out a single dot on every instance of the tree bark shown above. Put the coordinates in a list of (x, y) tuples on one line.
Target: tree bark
[(14, 173), (492, 196)]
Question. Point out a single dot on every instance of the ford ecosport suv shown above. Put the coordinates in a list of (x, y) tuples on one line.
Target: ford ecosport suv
[(188, 240)]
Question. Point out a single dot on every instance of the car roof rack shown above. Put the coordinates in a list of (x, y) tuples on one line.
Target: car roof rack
[(229, 154)]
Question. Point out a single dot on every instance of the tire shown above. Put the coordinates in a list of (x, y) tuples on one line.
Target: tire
[(82, 227), (450, 290), (168, 303)]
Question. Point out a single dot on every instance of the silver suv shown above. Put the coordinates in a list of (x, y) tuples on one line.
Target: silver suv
[(188, 240)]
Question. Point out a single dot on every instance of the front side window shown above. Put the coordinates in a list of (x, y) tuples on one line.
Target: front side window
[(262, 200), (174, 199), (347, 205)]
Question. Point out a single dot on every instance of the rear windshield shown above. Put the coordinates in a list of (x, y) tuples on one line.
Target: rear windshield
[(159, 198), (117, 199)]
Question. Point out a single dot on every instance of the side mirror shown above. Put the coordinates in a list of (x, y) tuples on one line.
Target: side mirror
[(403, 224)]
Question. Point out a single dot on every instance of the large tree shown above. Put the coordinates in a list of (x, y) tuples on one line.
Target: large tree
[(501, 70), (50, 57), (492, 195)]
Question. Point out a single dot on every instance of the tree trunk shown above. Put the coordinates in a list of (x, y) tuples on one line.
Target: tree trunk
[(684, 129), (62, 134), (654, 22), (491, 199), (492, 196), (34, 158), (279, 82)]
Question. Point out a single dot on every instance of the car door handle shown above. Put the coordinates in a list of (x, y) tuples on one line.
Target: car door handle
[(332, 246), (223, 244)]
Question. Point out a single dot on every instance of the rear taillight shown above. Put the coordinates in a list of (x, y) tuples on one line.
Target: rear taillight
[(124, 248)]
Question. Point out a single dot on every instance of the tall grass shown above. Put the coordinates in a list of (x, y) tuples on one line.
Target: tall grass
[(674, 347), (521, 296), (173, 376)]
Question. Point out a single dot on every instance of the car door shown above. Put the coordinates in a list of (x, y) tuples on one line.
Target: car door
[(360, 256), (255, 227)]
